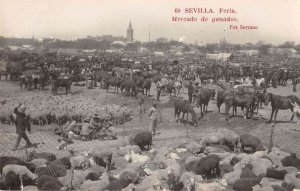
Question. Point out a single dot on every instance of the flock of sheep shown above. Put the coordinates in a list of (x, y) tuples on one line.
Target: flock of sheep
[(59, 109), (221, 160)]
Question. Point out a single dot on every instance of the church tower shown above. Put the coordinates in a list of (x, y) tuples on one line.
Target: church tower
[(130, 33)]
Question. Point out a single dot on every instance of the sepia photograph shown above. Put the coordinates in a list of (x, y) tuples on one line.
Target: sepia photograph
[(149, 95)]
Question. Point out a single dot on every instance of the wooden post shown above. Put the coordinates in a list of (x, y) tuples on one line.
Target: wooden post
[(123, 122), (271, 143), (26, 151), (72, 174)]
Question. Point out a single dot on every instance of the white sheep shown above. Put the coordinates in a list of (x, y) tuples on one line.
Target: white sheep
[(89, 185), (79, 161), (136, 158), (231, 177), (148, 182), (193, 147), (124, 150), (263, 186), (39, 162), (214, 186), (19, 170), (292, 179)]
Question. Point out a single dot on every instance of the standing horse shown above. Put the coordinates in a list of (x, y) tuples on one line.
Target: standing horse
[(27, 81), (280, 102), (61, 82)]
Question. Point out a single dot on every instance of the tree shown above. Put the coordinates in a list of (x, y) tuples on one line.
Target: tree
[(287, 44), (264, 48)]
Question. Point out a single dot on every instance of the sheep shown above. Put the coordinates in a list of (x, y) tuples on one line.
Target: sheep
[(205, 165), (225, 168), (190, 159), (224, 147), (124, 150), (213, 138), (148, 182), (43, 155), (46, 182), (263, 186), (95, 172), (214, 186), (232, 177), (160, 159), (80, 162), (79, 177), (5, 160), (57, 168), (10, 171), (260, 166), (129, 174), (98, 185), (234, 161), (245, 184), (136, 158), (30, 188), (251, 141), (142, 139), (276, 173), (231, 138), (292, 180), (247, 171), (210, 149), (11, 181), (39, 162), (291, 160), (187, 181), (173, 175), (125, 179), (101, 157)]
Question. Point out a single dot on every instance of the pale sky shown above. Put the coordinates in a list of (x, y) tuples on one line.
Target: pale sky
[(277, 20)]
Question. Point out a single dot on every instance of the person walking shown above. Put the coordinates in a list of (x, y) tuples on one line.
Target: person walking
[(22, 123), (153, 115), (141, 101)]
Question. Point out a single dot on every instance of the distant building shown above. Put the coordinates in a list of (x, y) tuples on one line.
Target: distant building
[(130, 33), (109, 38)]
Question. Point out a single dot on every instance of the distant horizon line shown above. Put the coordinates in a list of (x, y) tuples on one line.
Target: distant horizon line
[(188, 42)]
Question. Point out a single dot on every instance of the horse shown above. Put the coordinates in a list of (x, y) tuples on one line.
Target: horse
[(174, 86), (61, 82), (203, 98), (27, 81), (147, 86), (243, 100), (185, 107), (280, 102)]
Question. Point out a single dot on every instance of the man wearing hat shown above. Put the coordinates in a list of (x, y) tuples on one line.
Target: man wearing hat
[(22, 123), (153, 115)]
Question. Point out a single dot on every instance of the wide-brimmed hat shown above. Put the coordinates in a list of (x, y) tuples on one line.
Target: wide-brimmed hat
[(22, 108)]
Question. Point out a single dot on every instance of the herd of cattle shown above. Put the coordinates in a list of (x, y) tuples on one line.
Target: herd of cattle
[(220, 160)]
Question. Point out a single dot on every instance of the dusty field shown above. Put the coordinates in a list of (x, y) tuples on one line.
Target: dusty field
[(286, 134)]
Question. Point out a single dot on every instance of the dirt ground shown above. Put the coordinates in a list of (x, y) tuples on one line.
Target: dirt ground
[(286, 134)]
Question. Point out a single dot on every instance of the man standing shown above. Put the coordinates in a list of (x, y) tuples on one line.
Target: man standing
[(141, 101), (158, 88), (190, 92), (22, 123), (153, 115)]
